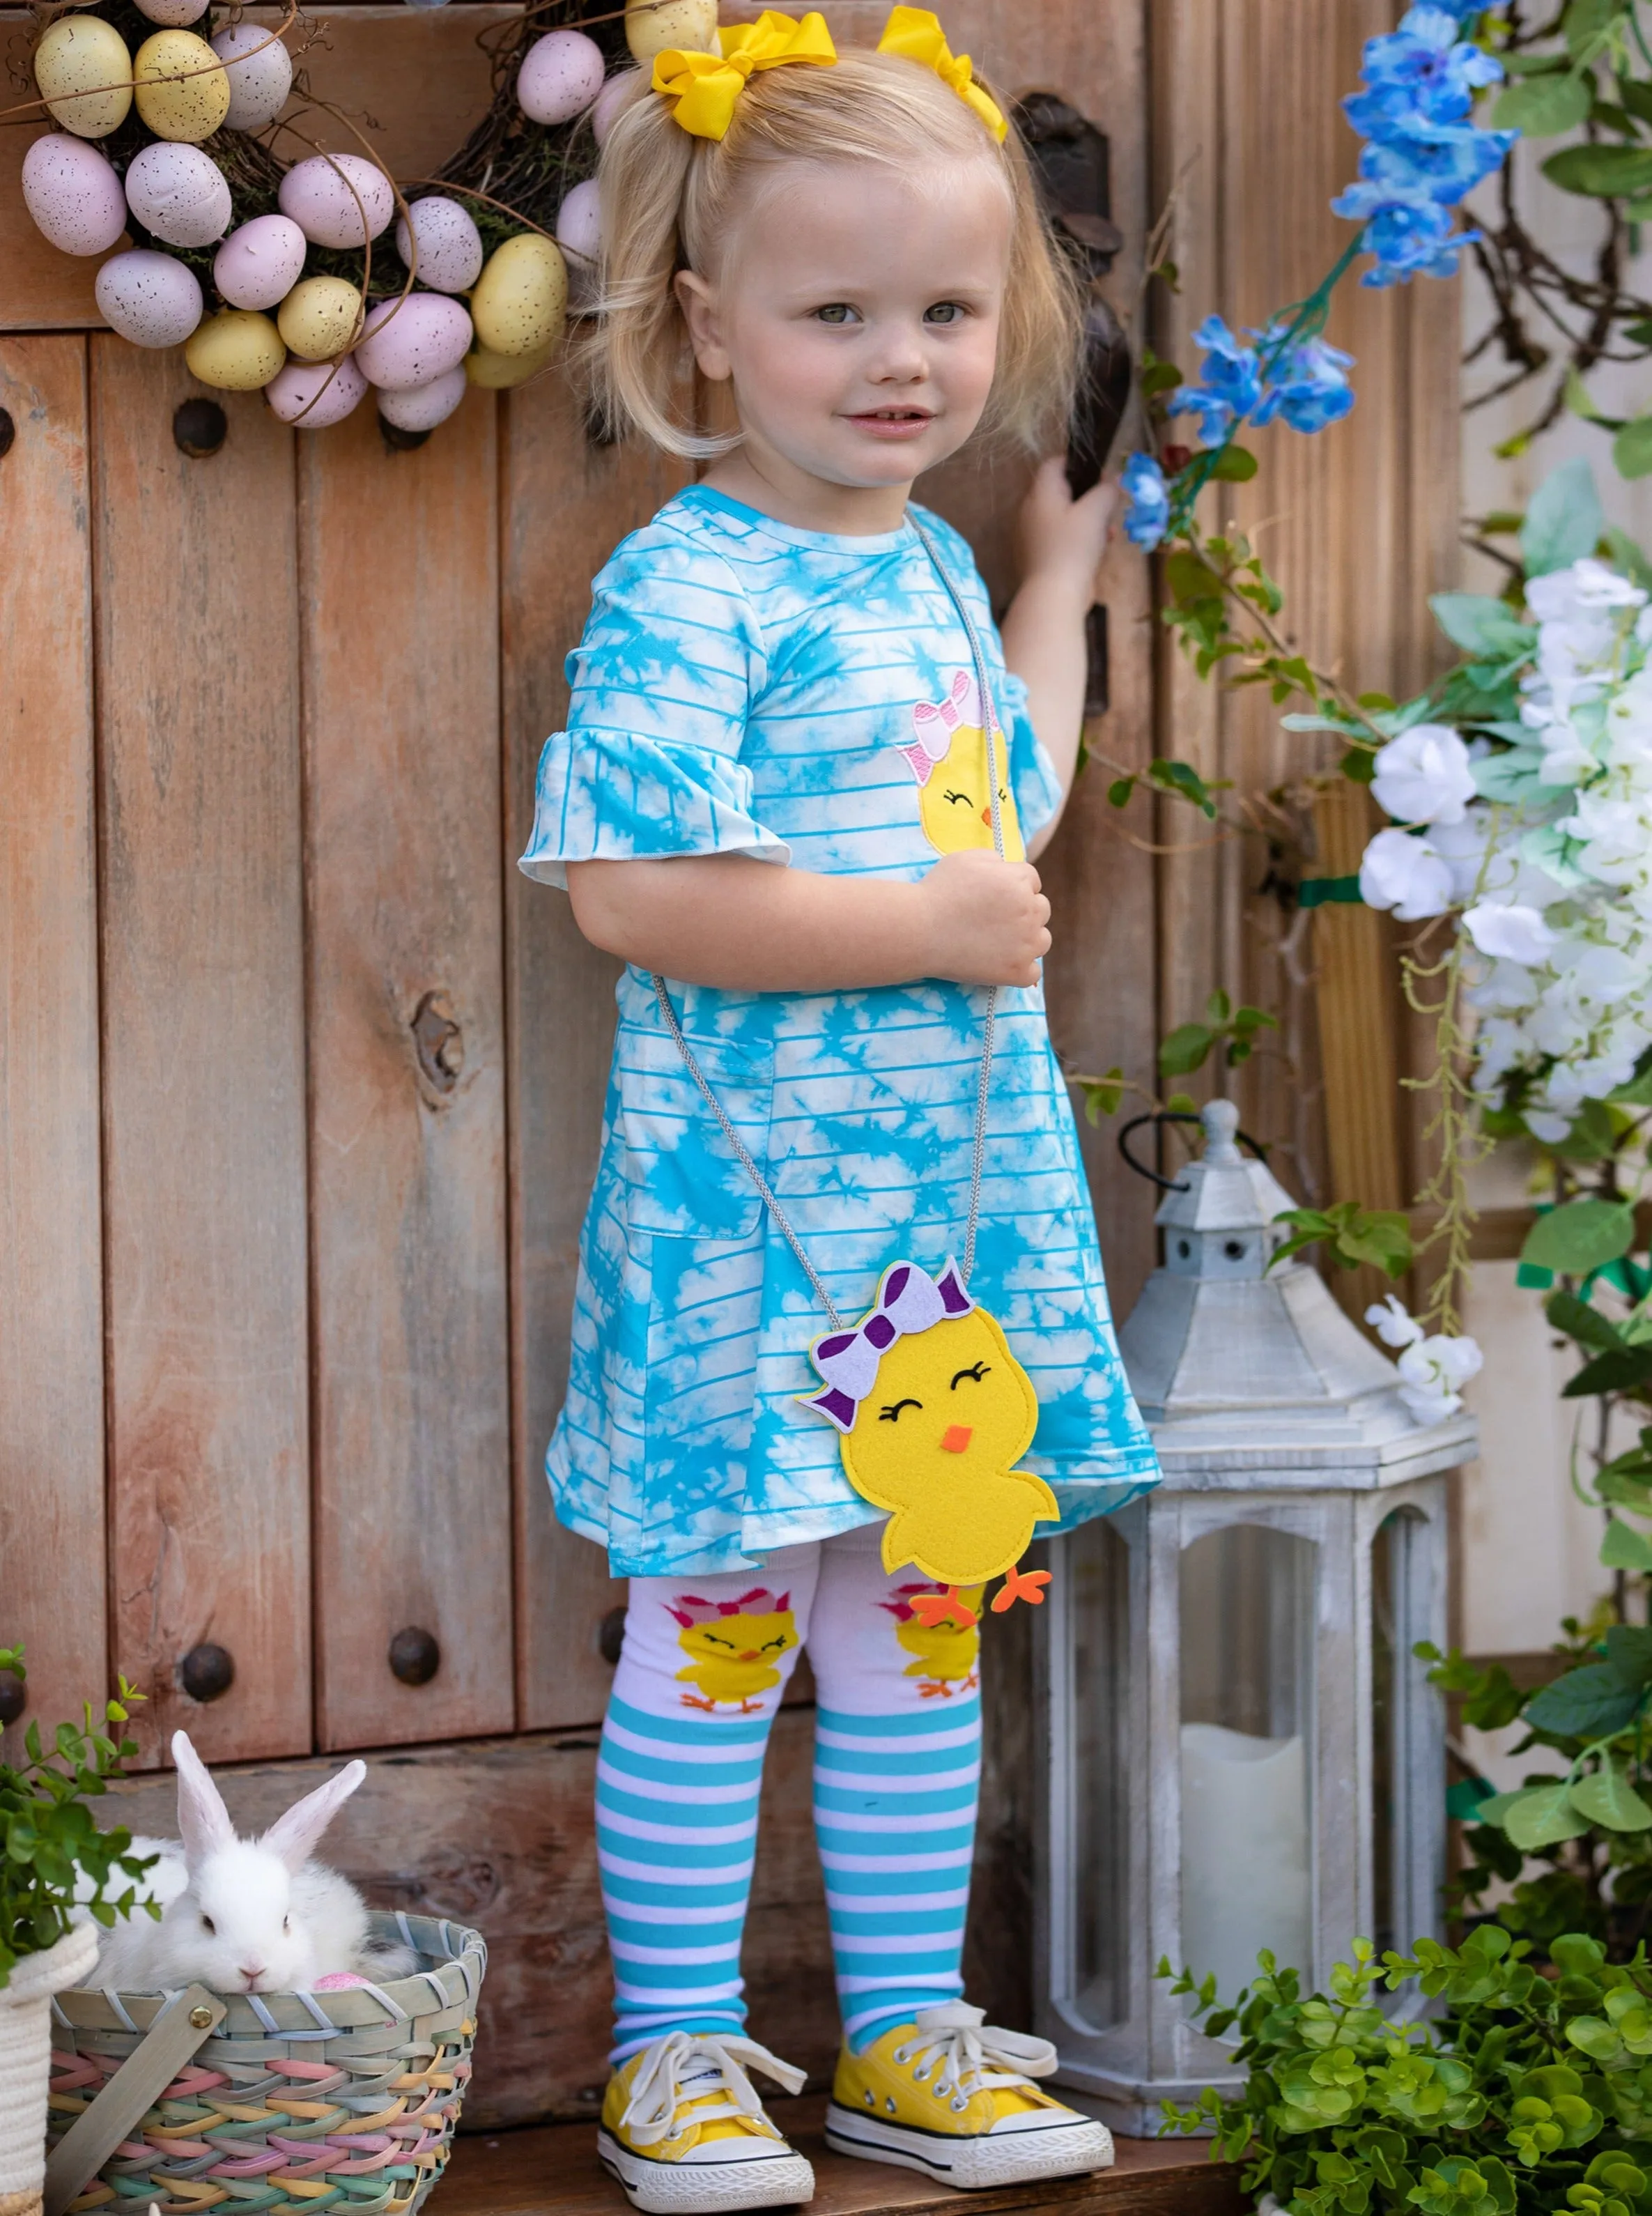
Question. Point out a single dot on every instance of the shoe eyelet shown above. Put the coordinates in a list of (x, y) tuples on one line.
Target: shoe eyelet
[(871, 2098), (889, 2102), (959, 2105), (921, 2077), (941, 2089), (902, 2055)]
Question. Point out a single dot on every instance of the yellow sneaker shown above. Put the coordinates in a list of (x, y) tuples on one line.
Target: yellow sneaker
[(955, 2098), (683, 2131)]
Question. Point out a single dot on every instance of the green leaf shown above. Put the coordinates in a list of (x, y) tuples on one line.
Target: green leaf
[(1623, 1548), (1119, 792), (1583, 1235), (1565, 519), (1190, 578), (1181, 777), (1543, 1816), (1481, 626), (1185, 1048), (1359, 765), (1542, 107), (1102, 1098), (1608, 1799), (1631, 450), (1620, 1370), (1589, 1702), (1234, 465), (1636, 94), (1601, 172), (1586, 23), (1582, 1322), (1159, 376)]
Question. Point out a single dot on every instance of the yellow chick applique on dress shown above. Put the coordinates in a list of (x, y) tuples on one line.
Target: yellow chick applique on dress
[(933, 1411), (947, 754), (734, 1648), (944, 1640)]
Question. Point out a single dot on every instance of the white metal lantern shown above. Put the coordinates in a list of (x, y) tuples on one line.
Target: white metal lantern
[(1243, 1752)]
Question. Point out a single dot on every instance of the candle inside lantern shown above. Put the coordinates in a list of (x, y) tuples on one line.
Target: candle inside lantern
[(1247, 1878)]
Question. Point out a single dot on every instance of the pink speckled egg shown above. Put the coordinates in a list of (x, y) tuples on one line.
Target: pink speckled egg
[(561, 75), (149, 298), (614, 98), (178, 194), (260, 70), (579, 221), (323, 206), (450, 246), (74, 194), (422, 407), (293, 394), (413, 342), (336, 1981), (259, 262)]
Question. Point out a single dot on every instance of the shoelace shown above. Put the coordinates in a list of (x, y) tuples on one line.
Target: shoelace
[(957, 2036), (680, 2063)]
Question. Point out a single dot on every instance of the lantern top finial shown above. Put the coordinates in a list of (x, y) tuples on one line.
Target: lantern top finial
[(1220, 1119)]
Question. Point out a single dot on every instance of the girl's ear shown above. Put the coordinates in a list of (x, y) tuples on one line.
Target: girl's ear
[(698, 302)]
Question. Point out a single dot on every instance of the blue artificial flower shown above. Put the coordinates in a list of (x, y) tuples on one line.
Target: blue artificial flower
[(1229, 387), (1423, 72), (1147, 517), (1445, 160), (1407, 232), (1308, 386)]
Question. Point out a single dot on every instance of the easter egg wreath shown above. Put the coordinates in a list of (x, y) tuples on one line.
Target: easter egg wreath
[(311, 274)]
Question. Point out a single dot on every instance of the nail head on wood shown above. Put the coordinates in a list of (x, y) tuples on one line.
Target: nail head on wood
[(415, 1656), (198, 428), (13, 1697), (207, 1673)]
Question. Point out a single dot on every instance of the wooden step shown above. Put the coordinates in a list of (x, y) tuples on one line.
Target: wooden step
[(552, 2169)]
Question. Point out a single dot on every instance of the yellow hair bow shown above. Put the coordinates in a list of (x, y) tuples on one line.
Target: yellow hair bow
[(917, 34), (704, 87)]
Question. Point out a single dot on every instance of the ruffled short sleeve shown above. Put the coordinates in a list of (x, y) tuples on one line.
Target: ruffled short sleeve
[(649, 765), (1032, 774)]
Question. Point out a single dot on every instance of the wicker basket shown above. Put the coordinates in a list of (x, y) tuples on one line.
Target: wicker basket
[(282, 2102)]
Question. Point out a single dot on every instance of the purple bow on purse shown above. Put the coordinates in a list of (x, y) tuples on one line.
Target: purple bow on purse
[(909, 1300)]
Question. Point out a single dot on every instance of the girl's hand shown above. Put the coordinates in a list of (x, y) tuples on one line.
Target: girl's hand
[(987, 921), (1061, 539)]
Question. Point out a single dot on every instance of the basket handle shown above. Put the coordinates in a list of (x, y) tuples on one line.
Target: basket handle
[(187, 2019)]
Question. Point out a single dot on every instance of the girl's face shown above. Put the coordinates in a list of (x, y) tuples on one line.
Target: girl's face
[(854, 317)]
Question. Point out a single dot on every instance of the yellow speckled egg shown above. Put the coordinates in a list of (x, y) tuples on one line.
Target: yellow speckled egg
[(497, 372), (236, 350), (320, 317), (182, 86), (520, 300), (84, 74), (652, 26)]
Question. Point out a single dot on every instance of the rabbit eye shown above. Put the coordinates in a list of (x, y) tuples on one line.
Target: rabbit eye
[(286, 1923), (207, 1924)]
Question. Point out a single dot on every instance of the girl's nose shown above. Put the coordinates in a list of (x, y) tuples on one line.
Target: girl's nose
[(956, 1437)]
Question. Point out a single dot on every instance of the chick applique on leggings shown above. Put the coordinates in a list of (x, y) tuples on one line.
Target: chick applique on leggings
[(947, 754), (734, 1648), (944, 1640), (933, 1411)]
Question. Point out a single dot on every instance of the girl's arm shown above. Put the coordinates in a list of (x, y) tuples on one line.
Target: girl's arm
[(747, 926), (1062, 541)]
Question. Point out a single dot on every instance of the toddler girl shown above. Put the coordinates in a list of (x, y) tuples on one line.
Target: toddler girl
[(797, 794)]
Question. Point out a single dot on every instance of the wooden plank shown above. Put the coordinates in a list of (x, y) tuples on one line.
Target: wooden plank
[(554, 2171), (412, 1450), (413, 80), (203, 1056), (52, 1536)]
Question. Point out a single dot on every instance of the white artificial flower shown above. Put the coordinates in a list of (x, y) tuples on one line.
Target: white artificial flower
[(1431, 1370), (1405, 874), (1510, 934), (1551, 1130), (1424, 776), (1388, 1318), (1586, 583)]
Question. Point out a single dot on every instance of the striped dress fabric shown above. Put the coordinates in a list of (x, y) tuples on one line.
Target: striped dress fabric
[(745, 687), (897, 1774)]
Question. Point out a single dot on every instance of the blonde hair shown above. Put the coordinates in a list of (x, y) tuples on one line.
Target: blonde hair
[(669, 199)]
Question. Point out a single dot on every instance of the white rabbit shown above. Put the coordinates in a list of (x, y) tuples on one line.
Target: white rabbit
[(244, 1916)]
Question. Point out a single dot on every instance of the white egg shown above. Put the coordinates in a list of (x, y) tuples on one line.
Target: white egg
[(423, 406), (450, 246), (148, 297), (260, 70), (412, 341), (172, 12), (579, 223), (561, 75), (259, 262), (178, 194), (308, 395), (74, 194), (614, 98), (326, 208)]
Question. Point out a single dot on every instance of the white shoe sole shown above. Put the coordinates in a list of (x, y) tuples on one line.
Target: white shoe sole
[(977, 2162), (705, 2188)]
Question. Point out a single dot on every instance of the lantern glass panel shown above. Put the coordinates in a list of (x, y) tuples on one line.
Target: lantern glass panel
[(1399, 1691), (1096, 1573), (1247, 1616)]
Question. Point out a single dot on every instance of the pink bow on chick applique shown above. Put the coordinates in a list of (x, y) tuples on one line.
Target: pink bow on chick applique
[(934, 723), (909, 1301)]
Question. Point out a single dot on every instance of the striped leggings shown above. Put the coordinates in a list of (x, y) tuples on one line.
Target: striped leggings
[(897, 1770)]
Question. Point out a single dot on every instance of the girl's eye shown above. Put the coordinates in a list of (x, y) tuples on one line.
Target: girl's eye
[(207, 1924), (945, 311), (835, 311), (891, 1413), (977, 1370)]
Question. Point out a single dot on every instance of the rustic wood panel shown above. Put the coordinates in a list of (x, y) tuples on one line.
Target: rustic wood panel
[(567, 505), (412, 1450), (51, 1539), (203, 1055)]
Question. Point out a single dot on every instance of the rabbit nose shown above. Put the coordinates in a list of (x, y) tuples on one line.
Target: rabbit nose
[(252, 1972)]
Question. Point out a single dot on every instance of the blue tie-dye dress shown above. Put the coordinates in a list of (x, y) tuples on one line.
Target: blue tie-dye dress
[(743, 687)]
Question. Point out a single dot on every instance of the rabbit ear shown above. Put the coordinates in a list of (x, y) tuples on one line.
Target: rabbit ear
[(295, 1836), (204, 1823)]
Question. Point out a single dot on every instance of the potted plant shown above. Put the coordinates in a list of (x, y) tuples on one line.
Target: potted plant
[(1531, 2092), (53, 1857)]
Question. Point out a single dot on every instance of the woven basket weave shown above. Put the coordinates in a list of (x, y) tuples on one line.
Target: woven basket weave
[(298, 2101)]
